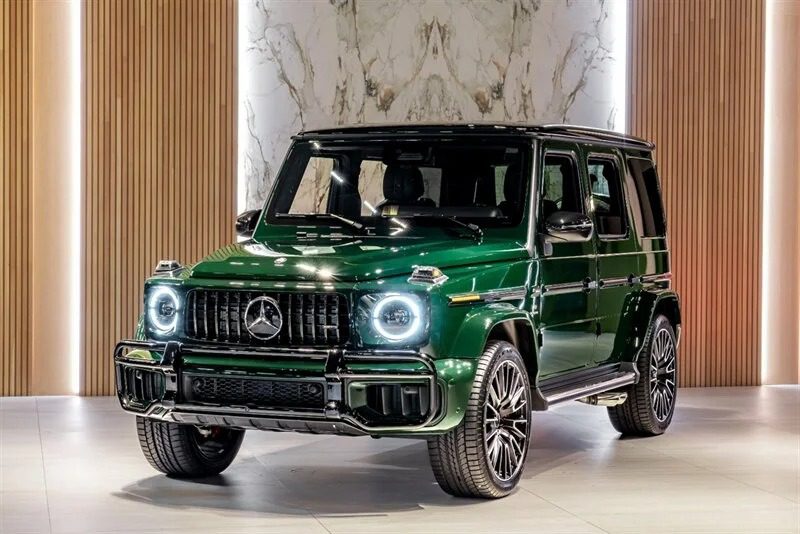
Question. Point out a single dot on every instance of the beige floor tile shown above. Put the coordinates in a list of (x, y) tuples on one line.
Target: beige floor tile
[(729, 463), (24, 512)]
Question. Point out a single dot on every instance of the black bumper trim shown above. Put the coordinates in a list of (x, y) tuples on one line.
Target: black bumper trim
[(335, 418)]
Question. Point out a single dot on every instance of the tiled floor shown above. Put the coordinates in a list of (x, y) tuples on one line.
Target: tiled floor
[(729, 463)]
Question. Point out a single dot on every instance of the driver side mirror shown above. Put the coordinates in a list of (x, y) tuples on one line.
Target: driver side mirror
[(246, 223), (569, 226)]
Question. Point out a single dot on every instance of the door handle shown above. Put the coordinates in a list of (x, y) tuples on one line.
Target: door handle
[(589, 284)]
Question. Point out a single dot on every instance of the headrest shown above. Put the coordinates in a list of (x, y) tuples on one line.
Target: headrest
[(402, 184), (511, 189)]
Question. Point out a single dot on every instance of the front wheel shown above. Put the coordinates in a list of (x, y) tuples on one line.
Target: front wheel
[(485, 454), (650, 404), (187, 451)]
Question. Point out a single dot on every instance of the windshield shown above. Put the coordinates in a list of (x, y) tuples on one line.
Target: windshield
[(386, 184)]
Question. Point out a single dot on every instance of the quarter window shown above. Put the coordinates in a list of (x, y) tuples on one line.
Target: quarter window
[(607, 198), (560, 185), (647, 208)]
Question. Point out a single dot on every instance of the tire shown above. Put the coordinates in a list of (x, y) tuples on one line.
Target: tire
[(468, 460), (648, 411), (186, 451)]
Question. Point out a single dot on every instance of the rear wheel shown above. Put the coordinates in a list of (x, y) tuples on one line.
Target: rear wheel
[(651, 402), (485, 454), (185, 450)]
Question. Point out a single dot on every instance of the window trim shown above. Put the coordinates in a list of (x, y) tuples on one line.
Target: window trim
[(571, 154), (652, 162), (614, 158)]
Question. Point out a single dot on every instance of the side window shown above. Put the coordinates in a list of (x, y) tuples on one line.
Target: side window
[(649, 213), (607, 198), (561, 189), (315, 187)]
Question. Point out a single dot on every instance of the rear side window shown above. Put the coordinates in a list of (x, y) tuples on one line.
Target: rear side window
[(646, 198), (607, 198), (560, 187)]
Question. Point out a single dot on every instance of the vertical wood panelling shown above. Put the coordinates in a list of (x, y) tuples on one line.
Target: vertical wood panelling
[(696, 86), (15, 197), (159, 155)]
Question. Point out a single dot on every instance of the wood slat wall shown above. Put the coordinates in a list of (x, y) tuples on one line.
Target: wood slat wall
[(15, 197), (160, 154), (696, 86)]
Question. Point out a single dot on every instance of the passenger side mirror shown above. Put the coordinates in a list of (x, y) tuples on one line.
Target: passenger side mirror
[(569, 226), (246, 223)]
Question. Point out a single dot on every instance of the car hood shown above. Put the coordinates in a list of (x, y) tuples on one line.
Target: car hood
[(348, 260)]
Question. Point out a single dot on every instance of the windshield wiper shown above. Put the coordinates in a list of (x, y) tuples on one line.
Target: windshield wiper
[(349, 222), (475, 231)]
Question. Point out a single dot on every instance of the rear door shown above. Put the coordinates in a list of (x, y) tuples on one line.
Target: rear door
[(566, 269), (617, 250)]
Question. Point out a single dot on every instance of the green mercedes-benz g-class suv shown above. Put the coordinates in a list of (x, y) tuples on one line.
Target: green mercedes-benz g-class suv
[(432, 281)]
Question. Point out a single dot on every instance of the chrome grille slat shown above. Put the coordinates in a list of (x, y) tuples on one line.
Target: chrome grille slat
[(309, 319), (205, 315), (238, 316), (216, 314)]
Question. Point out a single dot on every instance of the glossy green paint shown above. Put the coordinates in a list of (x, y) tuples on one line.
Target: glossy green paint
[(566, 319), (571, 330)]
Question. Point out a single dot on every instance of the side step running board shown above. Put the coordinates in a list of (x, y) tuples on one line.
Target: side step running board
[(586, 390)]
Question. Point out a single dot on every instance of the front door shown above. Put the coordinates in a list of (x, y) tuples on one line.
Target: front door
[(616, 251), (567, 270)]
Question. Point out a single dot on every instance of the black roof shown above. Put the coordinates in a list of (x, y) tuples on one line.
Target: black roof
[(561, 131)]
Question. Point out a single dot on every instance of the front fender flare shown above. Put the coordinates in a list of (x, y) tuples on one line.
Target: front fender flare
[(473, 334)]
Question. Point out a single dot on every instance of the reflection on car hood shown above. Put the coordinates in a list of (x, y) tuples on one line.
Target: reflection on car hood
[(347, 259)]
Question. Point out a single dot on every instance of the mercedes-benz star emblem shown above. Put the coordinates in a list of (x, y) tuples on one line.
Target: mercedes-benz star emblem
[(263, 318)]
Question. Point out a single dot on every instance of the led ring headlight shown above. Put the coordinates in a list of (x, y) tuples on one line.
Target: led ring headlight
[(397, 317), (162, 309)]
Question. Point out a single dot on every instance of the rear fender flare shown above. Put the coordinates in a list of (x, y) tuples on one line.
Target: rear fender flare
[(651, 303)]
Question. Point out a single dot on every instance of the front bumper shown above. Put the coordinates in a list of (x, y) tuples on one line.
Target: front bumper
[(415, 394)]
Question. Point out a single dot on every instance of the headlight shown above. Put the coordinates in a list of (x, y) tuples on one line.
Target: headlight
[(162, 309), (396, 318)]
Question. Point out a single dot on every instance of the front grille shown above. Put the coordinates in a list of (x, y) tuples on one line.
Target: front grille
[(140, 385), (257, 392), (309, 319)]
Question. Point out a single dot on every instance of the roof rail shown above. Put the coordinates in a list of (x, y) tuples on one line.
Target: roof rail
[(598, 133)]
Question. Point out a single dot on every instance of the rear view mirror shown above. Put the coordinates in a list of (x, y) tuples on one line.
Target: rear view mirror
[(569, 226), (246, 223)]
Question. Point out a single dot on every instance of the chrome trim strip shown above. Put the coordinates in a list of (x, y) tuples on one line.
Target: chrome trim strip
[(561, 289), (591, 389), (653, 278), (607, 255), (606, 283), (639, 253)]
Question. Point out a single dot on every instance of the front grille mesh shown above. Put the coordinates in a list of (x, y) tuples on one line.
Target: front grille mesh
[(254, 392), (309, 319)]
